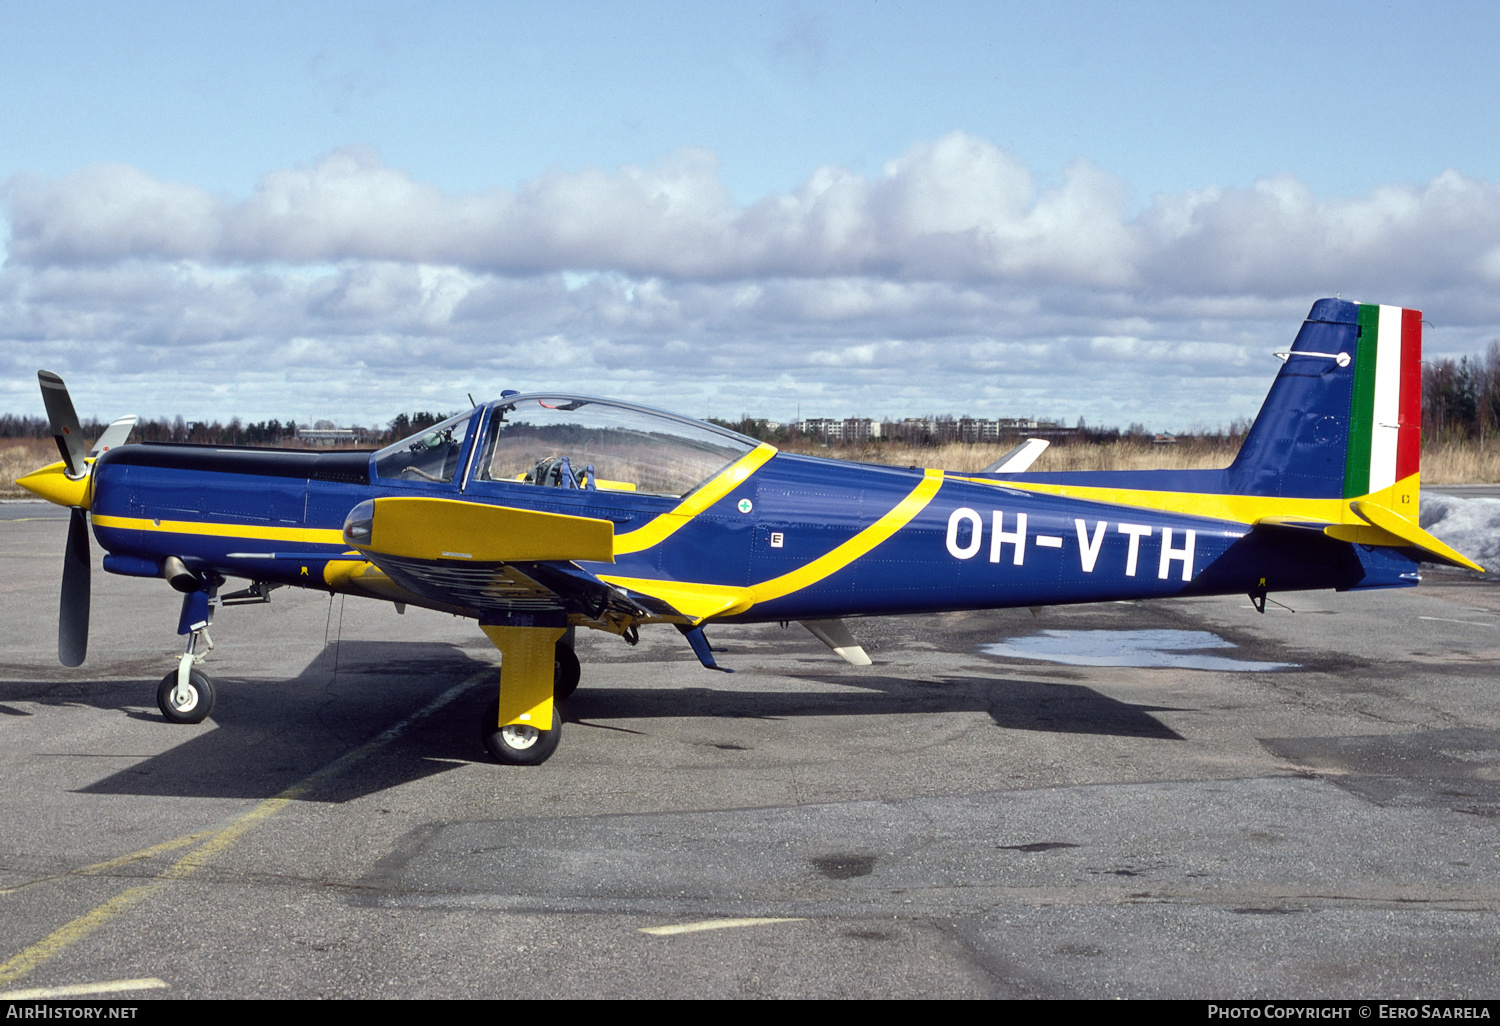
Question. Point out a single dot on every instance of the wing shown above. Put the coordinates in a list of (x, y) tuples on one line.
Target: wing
[(496, 560)]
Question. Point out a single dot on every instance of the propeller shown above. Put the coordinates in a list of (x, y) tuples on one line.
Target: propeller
[(73, 610), (64, 421), (73, 613)]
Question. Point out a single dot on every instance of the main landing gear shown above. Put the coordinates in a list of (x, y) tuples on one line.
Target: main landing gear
[(565, 672), (538, 669), (517, 744)]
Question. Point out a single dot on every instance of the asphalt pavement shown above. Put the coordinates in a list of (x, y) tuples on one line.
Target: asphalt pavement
[(1179, 799)]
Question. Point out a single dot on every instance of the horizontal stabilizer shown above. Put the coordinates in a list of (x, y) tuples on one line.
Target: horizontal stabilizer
[(1381, 527), (1299, 523), (1018, 459), (836, 636), (1395, 523), (449, 529)]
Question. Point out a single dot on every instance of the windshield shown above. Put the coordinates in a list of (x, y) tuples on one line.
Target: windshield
[(429, 455), (577, 442)]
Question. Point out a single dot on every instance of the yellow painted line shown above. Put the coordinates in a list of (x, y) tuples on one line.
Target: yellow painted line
[(668, 524), (712, 924), (1246, 509), (81, 989), (215, 841), (65, 937), (115, 863), (264, 532)]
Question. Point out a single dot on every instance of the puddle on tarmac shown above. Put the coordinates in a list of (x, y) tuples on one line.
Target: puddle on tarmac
[(1183, 650)]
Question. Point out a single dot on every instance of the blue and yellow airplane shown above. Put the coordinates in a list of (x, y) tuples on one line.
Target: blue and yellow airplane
[(540, 513)]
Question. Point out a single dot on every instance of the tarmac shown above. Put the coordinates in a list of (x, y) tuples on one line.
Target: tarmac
[(1182, 799)]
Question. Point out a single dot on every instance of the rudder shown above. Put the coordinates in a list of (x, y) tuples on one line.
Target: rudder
[(1343, 418)]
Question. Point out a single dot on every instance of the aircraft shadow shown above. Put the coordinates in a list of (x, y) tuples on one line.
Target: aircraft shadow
[(267, 735), (1013, 704)]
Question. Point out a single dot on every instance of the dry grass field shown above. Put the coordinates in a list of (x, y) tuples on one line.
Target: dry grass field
[(1442, 462), (970, 456), (19, 457)]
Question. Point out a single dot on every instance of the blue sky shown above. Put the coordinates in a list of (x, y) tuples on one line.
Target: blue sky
[(1103, 210)]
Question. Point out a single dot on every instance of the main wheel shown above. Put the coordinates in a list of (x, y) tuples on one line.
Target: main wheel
[(518, 744), (565, 672), (191, 707)]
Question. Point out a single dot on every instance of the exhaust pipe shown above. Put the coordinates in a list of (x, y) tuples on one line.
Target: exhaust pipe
[(179, 576)]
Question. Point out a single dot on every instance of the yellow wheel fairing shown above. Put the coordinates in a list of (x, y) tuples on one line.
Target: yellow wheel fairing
[(527, 665)]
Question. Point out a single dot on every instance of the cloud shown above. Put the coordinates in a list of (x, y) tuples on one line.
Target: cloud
[(951, 281), (954, 209), (957, 207)]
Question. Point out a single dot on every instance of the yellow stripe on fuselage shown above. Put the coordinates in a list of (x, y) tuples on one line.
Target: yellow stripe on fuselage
[(699, 601), (668, 524), (1246, 509), (262, 532), (841, 556)]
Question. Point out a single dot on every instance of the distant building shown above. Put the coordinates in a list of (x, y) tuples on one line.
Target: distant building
[(829, 429), (328, 436), (934, 430), (938, 430)]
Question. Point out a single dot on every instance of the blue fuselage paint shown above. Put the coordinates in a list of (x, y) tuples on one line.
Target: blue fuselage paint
[(972, 546)]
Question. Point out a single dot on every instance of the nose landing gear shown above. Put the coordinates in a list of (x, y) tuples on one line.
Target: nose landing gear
[(186, 695), (189, 702)]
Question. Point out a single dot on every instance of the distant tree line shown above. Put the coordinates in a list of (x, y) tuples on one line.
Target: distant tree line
[(1460, 401), (895, 433), (1461, 398), (236, 432)]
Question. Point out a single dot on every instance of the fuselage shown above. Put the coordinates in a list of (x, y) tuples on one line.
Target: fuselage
[(806, 538)]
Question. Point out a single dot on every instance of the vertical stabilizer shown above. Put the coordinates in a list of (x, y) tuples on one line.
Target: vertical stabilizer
[(1344, 416)]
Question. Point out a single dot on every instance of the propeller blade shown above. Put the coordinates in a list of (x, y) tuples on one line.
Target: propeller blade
[(73, 614), (64, 420), (114, 435)]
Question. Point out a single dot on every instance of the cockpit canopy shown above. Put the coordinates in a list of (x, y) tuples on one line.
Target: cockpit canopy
[(572, 441), (431, 454)]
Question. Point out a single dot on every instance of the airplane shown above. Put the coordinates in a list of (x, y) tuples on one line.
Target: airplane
[(540, 513)]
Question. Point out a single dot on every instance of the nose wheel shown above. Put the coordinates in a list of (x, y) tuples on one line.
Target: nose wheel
[(188, 702)]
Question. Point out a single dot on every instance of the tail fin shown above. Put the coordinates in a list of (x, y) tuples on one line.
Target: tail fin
[(1336, 449), (1343, 421), (1344, 417)]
